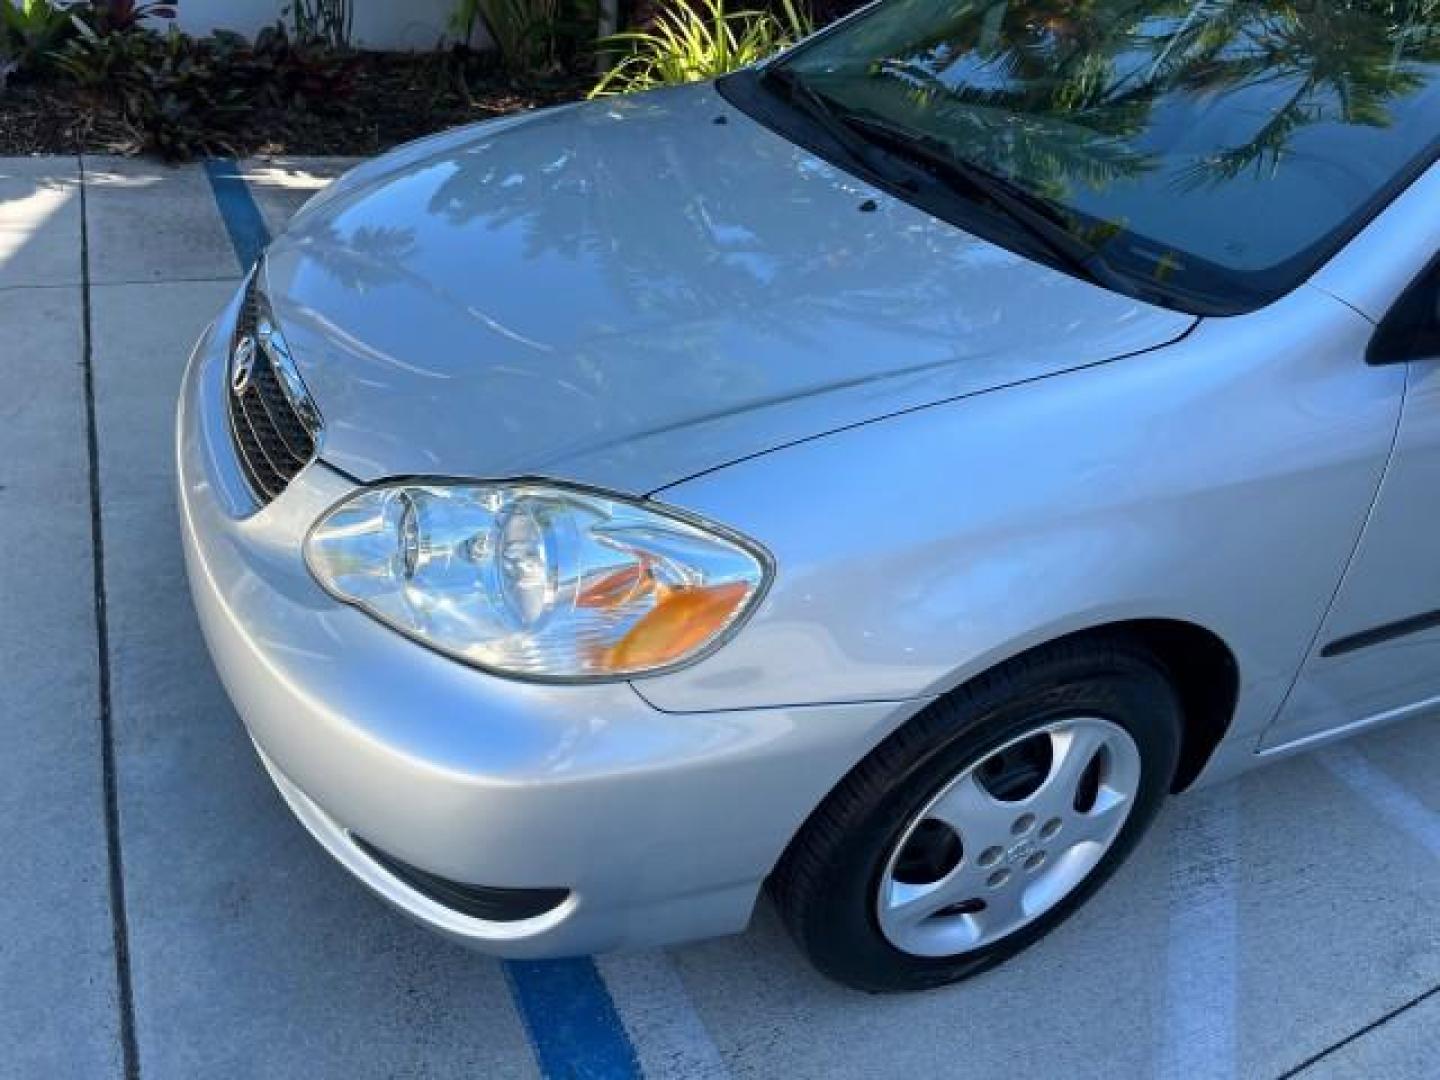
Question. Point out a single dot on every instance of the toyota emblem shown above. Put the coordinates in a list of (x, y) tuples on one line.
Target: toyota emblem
[(242, 365)]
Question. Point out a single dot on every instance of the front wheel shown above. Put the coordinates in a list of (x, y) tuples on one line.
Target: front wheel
[(985, 821)]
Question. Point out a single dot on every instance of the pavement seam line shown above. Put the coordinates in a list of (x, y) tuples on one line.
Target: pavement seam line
[(119, 919), (118, 284), (1355, 1036), (1400, 808)]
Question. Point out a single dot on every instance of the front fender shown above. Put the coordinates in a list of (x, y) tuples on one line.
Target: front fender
[(1220, 481)]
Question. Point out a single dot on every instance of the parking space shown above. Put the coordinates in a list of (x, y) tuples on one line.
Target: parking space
[(164, 917)]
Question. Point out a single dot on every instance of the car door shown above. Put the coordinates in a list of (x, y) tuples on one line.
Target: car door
[(1377, 655)]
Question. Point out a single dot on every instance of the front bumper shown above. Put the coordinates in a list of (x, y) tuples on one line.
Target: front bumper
[(661, 827)]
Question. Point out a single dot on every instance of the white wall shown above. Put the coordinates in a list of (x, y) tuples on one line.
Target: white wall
[(379, 24)]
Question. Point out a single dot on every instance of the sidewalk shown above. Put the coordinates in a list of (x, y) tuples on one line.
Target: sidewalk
[(162, 916)]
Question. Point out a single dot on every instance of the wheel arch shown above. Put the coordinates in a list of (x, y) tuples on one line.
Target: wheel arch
[(1201, 666), (1206, 676)]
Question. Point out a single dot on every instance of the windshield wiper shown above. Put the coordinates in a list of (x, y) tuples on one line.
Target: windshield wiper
[(859, 135), (1034, 214), (831, 120)]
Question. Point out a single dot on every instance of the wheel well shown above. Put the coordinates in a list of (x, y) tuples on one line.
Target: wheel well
[(1201, 667), (1205, 675)]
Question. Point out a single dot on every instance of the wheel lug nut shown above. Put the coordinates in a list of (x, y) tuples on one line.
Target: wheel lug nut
[(991, 855), (1051, 828), (998, 879), (1023, 824), (1035, 861)]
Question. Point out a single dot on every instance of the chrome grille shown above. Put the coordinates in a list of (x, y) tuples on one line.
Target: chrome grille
[(273, 423)]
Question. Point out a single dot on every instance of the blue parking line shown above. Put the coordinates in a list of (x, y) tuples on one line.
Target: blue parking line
[(571, 1019), (567, 1011), (243, 220)]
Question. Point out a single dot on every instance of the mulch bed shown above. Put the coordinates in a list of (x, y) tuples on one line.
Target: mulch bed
[(390, 98)]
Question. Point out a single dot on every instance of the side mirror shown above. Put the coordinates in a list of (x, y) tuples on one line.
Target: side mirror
[(1412, 329)]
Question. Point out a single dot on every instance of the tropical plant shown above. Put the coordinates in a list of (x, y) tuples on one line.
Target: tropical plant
[(464, 18), (699, 40), (177, 95), (532, 37), (30, 30), (120, 16), (181, 96), (329, 21)]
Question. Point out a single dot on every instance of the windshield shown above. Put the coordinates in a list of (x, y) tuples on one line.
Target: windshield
[(1213, 150)]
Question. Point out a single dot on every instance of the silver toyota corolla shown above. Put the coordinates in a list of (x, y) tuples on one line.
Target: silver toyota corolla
[(885, 474)]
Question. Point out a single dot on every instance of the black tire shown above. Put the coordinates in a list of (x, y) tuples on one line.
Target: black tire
[(825, 885)]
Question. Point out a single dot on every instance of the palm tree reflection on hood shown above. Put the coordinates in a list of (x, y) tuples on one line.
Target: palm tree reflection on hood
[(362, 258), (1107, 108), (1062, 93), (712, 245)]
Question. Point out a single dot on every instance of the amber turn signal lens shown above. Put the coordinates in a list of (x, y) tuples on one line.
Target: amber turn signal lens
[(616, 588), (681, 622)]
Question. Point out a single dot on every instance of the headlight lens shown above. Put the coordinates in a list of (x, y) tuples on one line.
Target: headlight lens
[(537, 580)]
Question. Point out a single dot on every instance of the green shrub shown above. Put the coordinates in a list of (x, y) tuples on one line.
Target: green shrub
[(184, 97), (167, 88), (30, 30), (33, 31), (531, 37), (699, 40), (330, 22)]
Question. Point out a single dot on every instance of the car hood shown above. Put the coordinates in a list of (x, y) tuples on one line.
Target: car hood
[(630, 292)]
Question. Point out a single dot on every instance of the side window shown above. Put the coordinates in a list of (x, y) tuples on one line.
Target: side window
[(1412, 329)]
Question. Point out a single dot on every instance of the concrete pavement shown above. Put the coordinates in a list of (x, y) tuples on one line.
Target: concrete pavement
[(1290, 920), (58, 990)]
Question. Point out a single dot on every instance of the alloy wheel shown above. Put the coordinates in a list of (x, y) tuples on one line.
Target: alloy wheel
[(1009, 837)]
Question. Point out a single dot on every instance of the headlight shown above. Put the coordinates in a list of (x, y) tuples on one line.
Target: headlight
[(536, 580)]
